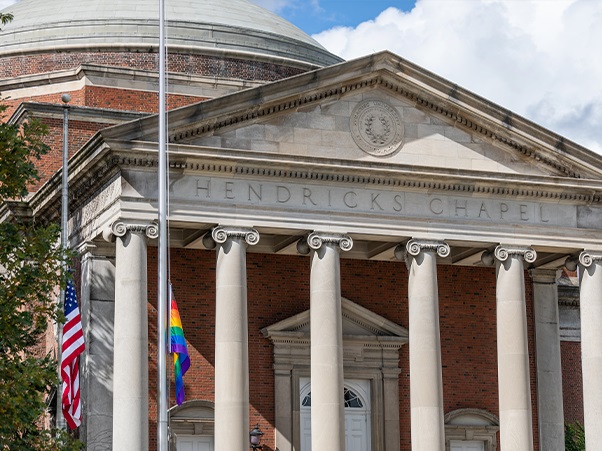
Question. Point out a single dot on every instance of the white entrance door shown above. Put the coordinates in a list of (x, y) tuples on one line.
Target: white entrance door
[(194, 443), (463, 445), (357, 437), (357, 415)]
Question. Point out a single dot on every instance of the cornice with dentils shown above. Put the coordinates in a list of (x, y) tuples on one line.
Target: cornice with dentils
[(100, 161)]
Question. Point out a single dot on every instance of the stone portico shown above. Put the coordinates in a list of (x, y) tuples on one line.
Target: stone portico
[(374, 160)]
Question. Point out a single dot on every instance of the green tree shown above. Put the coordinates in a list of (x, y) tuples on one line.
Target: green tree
[(574, 437), (5, 18), (30, 271)]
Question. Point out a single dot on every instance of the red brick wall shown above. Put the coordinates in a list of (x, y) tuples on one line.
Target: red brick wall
[(17, 65), (572, 381), (467, 321), (81, 131), (129, 100), (532, 357), (108, 98), (77, 99), (278, 287)]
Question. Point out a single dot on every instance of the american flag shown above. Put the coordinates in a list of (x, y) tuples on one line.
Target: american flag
[(72, 347)]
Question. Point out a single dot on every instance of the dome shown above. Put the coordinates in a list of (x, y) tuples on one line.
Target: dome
[(236, 27)]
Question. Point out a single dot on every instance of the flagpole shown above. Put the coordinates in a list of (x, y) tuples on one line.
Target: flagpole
[(66, 98), (162, 389)]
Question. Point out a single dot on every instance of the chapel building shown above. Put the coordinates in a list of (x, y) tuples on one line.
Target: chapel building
[(365, 256)]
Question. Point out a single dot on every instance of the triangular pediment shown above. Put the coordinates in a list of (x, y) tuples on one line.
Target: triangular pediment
[(354, 129), (373, 111), (357, 322)]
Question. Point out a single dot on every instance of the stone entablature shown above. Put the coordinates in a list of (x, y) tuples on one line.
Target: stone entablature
[(257, 165), (217, 190), (274, 192)]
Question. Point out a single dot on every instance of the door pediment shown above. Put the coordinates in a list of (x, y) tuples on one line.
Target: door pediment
[(358, 323)]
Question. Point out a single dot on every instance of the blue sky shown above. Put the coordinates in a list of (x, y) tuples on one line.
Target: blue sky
[(541, 59), (316, 16)]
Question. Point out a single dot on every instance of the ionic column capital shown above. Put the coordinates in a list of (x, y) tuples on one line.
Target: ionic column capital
[(316, 240), (416, 246), (503, 252), (120, 228), (221, 234), (588, 258)]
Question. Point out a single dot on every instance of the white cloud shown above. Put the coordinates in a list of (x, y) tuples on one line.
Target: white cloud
[(6, 3), (539, 58)]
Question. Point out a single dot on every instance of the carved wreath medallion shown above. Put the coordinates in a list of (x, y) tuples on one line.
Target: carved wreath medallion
[(376, 128)]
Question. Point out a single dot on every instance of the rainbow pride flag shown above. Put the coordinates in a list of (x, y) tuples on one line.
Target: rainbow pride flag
[(181, 360)]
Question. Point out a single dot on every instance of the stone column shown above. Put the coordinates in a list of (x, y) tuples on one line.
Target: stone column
[(426, 385), (591, 345), (232, 338), (391, 408), (326, 323), (549, 368), (283, 390), (516, 427), (130, 373), (97, 307)]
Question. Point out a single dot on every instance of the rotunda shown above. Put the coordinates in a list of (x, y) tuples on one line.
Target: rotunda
[(249, 42), (105, 55)]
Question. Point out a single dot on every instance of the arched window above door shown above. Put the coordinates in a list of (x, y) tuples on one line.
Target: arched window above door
[(352, 400)]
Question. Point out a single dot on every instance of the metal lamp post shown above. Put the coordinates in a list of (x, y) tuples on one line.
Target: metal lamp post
[(255, 438)]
